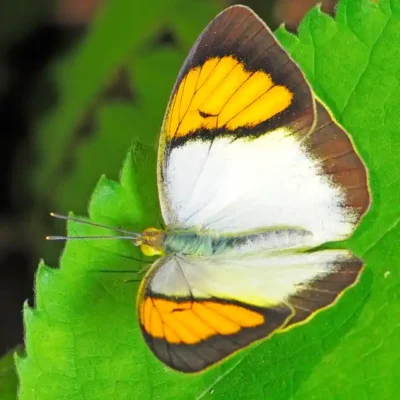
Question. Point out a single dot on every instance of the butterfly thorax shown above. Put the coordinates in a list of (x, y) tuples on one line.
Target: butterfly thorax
[(201, 243), (197, 243)]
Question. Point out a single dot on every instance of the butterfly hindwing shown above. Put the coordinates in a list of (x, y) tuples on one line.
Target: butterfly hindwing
[(195, 312)]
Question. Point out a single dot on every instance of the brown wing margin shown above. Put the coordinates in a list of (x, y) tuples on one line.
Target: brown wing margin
[(240, 34), (190, 335), (331, 145), (324, 292)]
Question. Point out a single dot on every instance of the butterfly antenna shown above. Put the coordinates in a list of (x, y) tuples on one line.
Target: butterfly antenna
[(89, 237), (128, 235), (81, 221)]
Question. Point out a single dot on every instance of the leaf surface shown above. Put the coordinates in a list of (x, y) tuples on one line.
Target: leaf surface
[(8, 376), (83, 340)]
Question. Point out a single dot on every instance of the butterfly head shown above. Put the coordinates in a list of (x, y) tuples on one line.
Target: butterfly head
[(151, 242)]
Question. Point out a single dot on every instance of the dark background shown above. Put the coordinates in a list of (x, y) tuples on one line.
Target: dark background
[(33, 34)]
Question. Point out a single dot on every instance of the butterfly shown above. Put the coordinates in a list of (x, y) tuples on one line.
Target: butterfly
[(254, 175)]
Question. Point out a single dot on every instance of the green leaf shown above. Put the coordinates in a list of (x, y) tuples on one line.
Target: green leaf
[(8, 377), (83, 340)]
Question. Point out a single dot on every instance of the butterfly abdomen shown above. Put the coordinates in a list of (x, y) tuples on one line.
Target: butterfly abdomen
[(208, 243)]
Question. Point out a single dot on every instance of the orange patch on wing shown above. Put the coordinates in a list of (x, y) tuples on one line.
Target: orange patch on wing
[(265, 107), (237, 314), (191, 322), (223, 94)]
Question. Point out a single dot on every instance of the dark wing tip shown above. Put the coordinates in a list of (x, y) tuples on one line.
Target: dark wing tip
[(239, 33)]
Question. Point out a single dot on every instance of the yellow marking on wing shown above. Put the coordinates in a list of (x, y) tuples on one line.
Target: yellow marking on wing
[(189, 89), (156, 323), (170, 335), (219, 75), (225, 90), (191, 322), (175, 117), (185, 332), (254, 87), (197, 120), (265, 107), (147, 308), (206, 70), (240, 315), (196, 324), (223, 94), (222, 324)]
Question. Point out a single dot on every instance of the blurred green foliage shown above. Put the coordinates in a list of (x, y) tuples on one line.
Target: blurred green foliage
[(17, 19), (112, 88), (83, 340), (8, 378)]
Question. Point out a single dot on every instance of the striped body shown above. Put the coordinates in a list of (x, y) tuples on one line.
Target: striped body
[(208, 243)]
